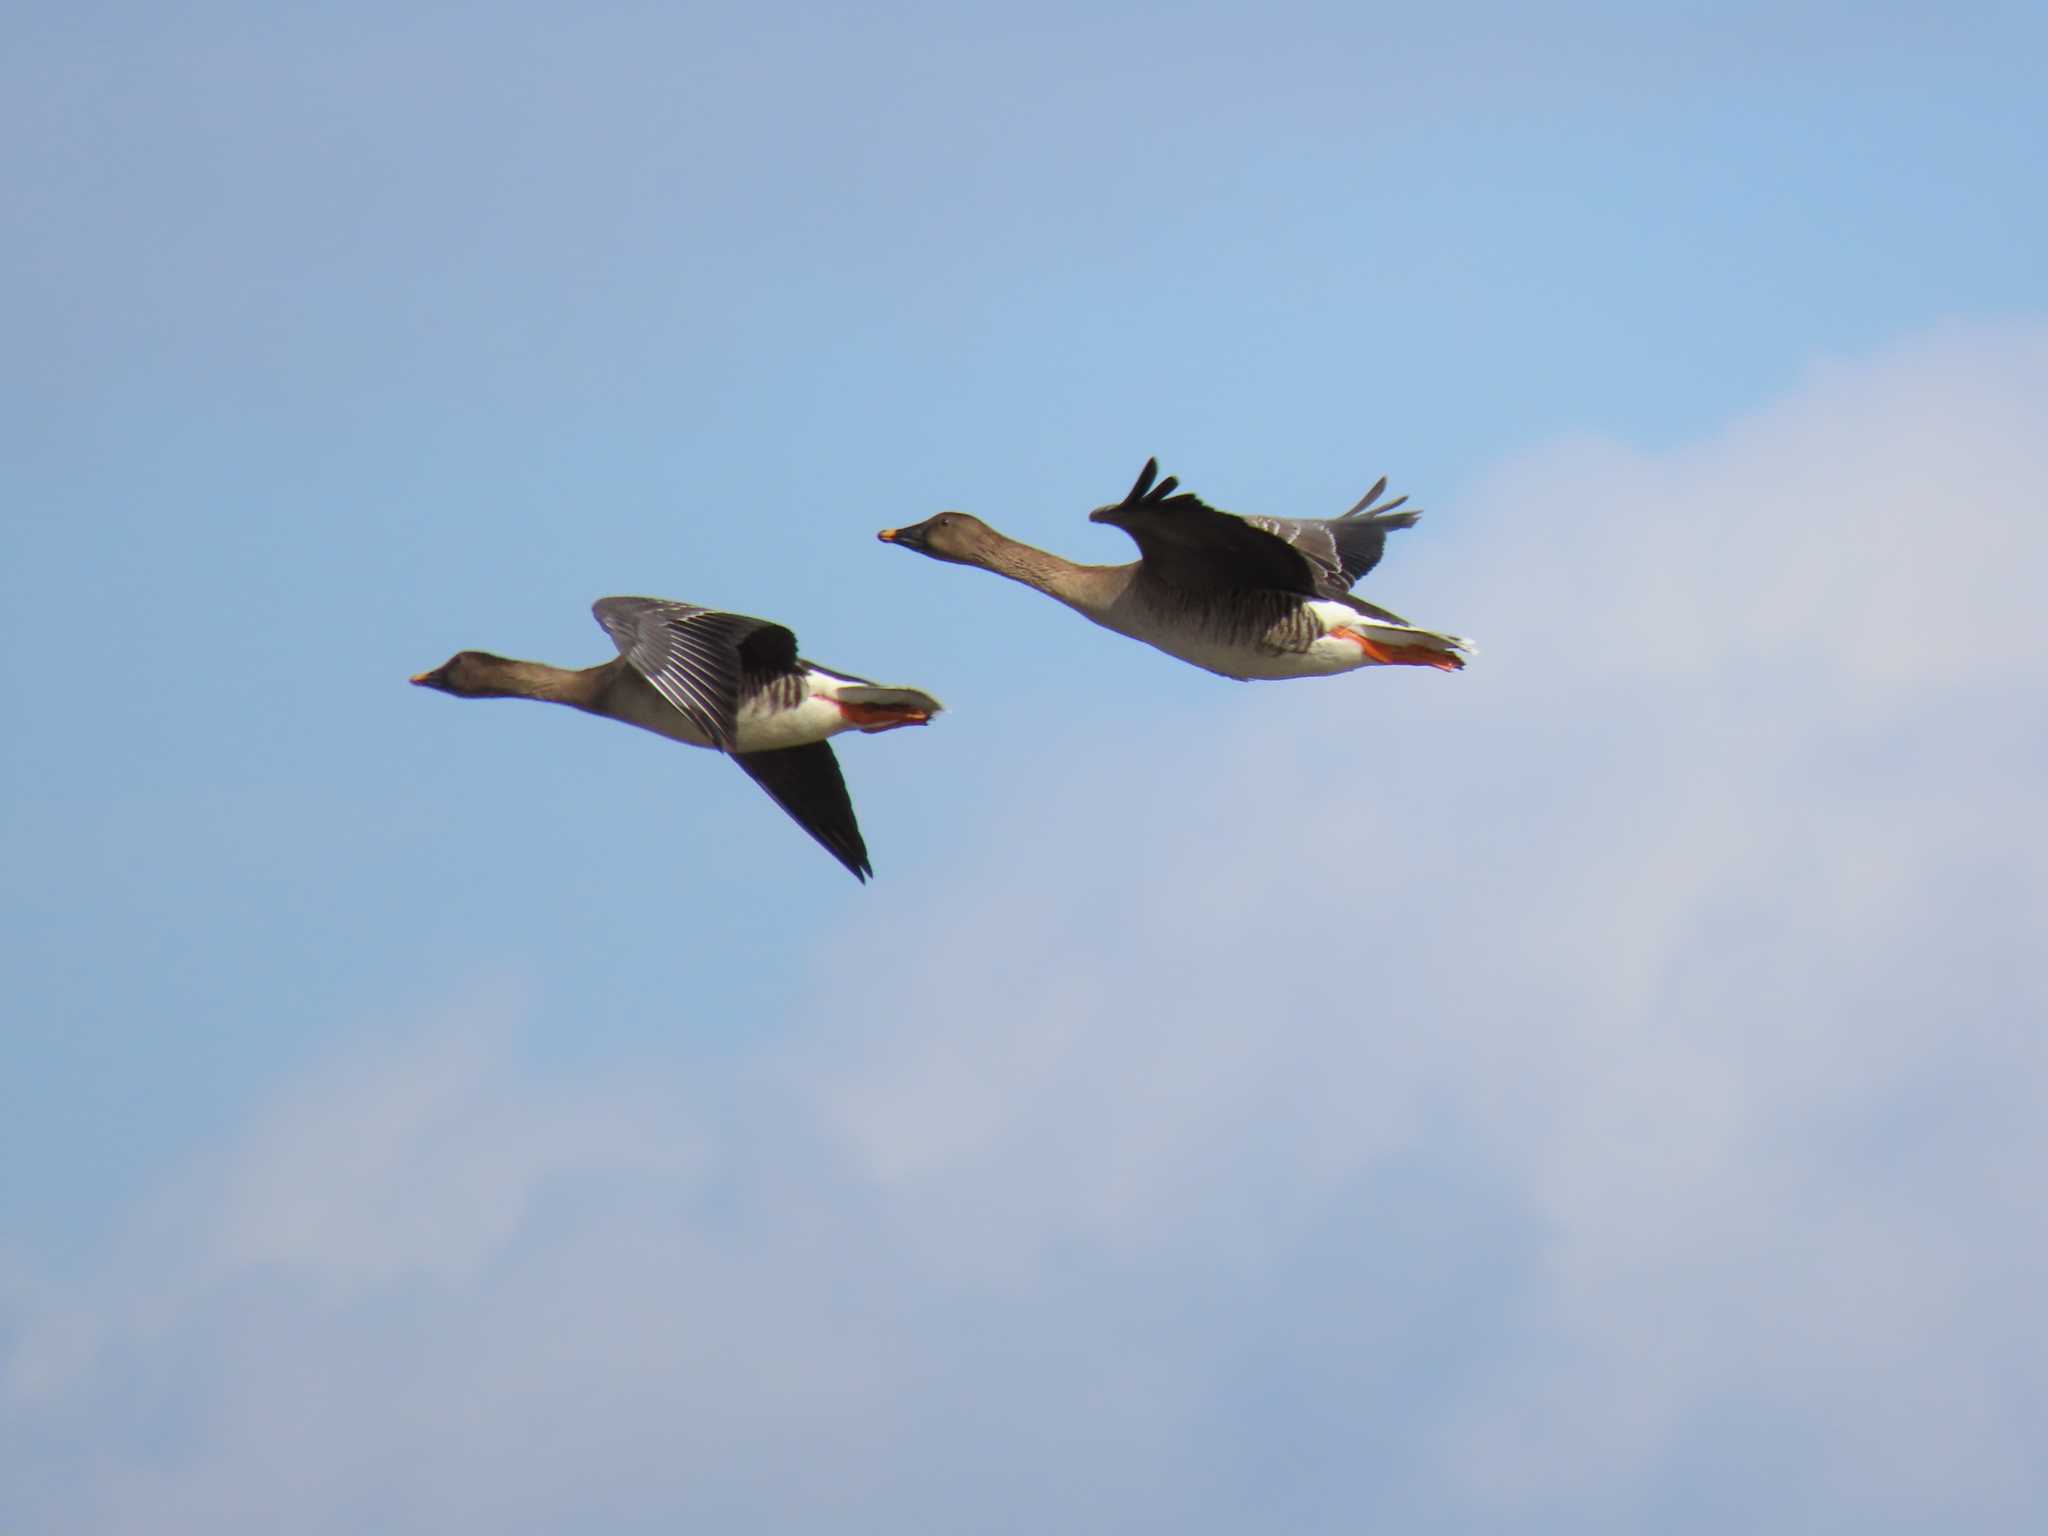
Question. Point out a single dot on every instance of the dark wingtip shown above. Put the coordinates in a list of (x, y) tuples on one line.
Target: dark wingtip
[(1384, 513)]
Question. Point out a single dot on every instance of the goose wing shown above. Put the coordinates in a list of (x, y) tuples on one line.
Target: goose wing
[(1189, 544), (806, 782), (1342, 549), (696, 658)]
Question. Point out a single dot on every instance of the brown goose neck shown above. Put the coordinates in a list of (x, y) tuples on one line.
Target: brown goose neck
[(580, 687), (1082, 586)]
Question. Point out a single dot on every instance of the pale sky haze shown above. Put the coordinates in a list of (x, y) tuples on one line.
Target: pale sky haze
[(1601, 1091)]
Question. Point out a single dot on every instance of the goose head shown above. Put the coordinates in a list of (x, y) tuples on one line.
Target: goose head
[(473, 675), (956, 537)]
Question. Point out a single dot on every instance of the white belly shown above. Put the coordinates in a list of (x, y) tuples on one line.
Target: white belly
[(760, 728), (1325, 655), (764, 730)]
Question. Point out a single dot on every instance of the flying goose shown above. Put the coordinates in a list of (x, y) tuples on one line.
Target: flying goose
[(718, 680), (1246, 597)]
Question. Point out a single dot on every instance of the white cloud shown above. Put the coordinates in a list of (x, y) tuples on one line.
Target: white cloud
[(1598, 1089)]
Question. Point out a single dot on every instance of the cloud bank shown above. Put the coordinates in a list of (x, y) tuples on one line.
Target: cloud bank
[(1598, 1091)]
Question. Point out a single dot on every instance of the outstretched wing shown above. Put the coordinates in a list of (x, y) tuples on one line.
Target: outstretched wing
[(1189, 544), (806, 782), (1342, 549), (695, 657)]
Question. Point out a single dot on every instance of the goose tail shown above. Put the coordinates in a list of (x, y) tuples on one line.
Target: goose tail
[(1407, 645), (872, 707)]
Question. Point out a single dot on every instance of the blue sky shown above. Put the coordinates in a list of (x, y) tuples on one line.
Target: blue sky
[(1599, 1090)]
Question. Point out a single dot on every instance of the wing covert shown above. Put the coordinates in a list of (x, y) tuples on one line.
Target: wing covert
[(1342, 549), (1187, 543), (692, 656)]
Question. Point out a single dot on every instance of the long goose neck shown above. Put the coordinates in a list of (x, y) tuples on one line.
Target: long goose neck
[(1090, 588), (581, 688)]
